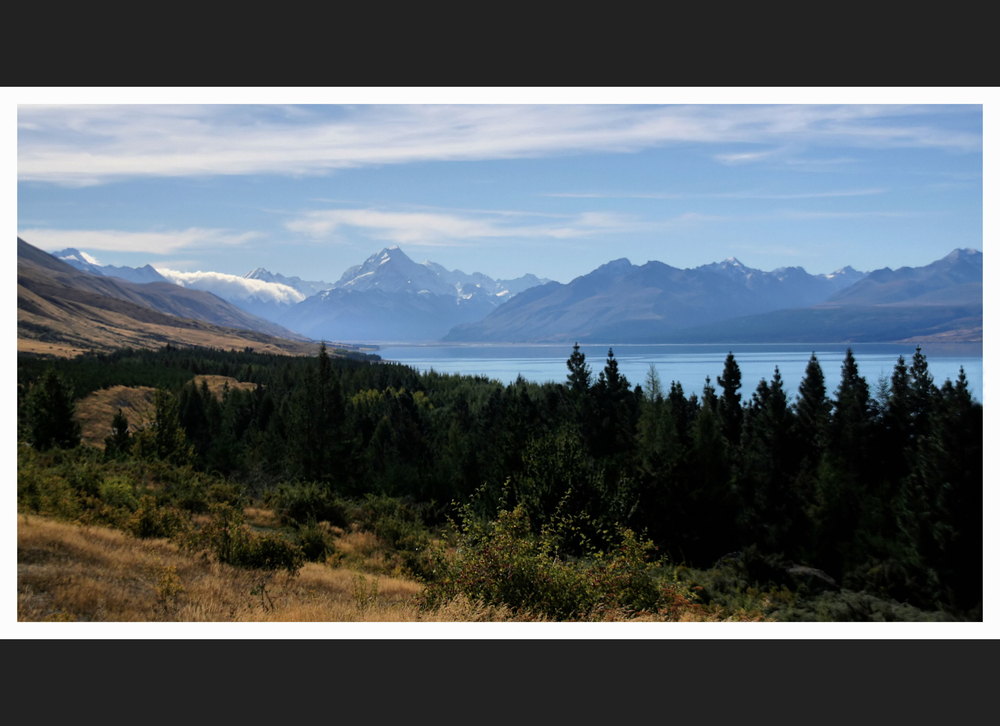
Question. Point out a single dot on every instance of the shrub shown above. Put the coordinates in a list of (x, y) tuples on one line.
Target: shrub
[(119, 493), (308, 502), (151, 521), (232, 542), (314, 543), (503, 563)]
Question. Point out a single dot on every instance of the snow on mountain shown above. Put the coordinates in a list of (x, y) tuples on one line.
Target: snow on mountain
[(390, 270), (88, 263)]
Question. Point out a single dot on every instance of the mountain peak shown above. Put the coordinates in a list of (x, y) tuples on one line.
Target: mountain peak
[(621, 263), (72, 253), (958, 253)]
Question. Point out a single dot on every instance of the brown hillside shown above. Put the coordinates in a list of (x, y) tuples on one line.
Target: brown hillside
[(64, 312)]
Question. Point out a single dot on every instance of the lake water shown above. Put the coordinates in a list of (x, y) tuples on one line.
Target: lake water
[(689, 364)]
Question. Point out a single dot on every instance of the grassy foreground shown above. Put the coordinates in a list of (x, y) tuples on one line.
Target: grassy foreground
[(71, 572)]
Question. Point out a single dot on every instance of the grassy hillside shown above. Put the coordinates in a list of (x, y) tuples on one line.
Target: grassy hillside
[(62, 312)]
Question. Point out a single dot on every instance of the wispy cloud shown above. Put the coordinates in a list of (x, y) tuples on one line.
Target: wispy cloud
[(796, 214), (440, 229), (233, 287), (719, 195), (119, 241), (81, 145), (744, 157)]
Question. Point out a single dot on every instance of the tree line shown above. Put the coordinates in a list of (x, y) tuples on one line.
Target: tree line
[(880, 486)]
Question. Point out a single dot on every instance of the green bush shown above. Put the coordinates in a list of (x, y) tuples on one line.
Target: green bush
[(314, 543), (118, 492), (503, 563), (151, 521), (232, 542), (308, 502)]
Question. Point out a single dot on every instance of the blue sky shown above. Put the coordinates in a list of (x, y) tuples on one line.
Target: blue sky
[(502, 189)]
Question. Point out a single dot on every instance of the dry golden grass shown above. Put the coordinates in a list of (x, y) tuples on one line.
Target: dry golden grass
[(68, 572), (74, 573), (216, 384), (96, 411)]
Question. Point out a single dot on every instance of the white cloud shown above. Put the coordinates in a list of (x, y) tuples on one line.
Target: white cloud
[(743, 157), (118, 241), (431, 229), (80, 145), (233, 287), (89, 258), (720, 195)]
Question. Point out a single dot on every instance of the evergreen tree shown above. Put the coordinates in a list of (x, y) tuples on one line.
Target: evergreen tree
[(942, 502), (579, 372), (812, 414), (843, 474), (119, 443), (163, 438), (768, 463), (316, 422), (49, 410), (730, 407), (614, 413), (850, 423), (922, 395)]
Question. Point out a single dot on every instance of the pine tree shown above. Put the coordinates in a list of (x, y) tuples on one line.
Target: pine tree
[(164, 437), (942, 502), (768, 464), (812, 414), (922, 395), (579, 372), (49, 411), (730, 407), (851, 415)]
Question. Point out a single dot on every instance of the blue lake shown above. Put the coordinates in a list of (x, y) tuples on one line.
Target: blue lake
[(690, 364)]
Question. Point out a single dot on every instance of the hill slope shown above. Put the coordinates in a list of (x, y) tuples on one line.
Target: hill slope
[(62, 311)]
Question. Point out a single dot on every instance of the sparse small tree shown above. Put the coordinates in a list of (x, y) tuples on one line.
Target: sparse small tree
[(119, 443)]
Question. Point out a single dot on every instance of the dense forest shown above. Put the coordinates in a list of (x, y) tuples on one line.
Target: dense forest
[(868, 487)]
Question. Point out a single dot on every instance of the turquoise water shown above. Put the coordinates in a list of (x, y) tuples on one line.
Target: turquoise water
[(689, 364)]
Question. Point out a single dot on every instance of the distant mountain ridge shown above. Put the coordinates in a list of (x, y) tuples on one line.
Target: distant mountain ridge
[(73, 257), (728, 302), (391, 298)]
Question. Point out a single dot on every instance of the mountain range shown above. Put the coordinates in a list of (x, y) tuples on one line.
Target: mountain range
[(728, 302), (391, 298)]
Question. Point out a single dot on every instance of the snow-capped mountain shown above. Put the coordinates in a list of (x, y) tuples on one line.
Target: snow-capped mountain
[(87, 263), (390, 270), (389, 297)]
